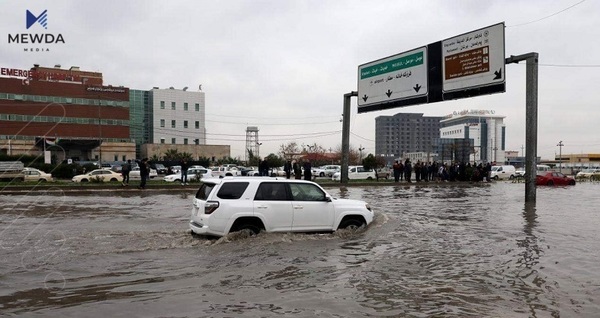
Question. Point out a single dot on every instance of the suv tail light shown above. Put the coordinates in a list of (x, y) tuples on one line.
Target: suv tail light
[(210, 206)]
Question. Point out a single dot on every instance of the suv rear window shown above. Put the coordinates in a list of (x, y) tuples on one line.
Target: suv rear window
[(204, 191), (232, 190)]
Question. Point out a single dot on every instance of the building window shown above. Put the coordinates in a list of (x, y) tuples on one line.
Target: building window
[(185, 124), (185, 141), (162, 140), (173, 141), (162, 123), (162, 104), (124, 157), (173, 106), (173, 123), (197, 141), (185, 106), (197, 107), (197, 124), (116, 158)]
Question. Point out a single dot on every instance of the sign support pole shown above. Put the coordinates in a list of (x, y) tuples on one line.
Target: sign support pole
[(346, 137), (531, 115)]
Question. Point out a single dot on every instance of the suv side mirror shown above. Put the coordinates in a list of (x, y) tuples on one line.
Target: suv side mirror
[(328, 199)]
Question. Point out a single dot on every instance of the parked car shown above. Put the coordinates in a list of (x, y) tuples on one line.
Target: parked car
[(135, 173), (331, 169), (356, 173), (539, 169), (35, 175), (102, 175), (160, 168), (192, 175), (225, 171), (384, 173), (587, 173), (503, 172), (230, 204), (174, 169), (553, 178)]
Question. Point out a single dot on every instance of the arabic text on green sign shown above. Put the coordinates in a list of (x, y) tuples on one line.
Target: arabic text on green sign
[(393, 65)]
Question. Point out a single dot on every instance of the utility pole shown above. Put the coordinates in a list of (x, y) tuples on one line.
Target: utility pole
[(346, 136), (560, 145), (531, 124)]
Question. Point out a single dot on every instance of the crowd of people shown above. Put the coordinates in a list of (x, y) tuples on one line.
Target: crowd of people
[(435, 171)]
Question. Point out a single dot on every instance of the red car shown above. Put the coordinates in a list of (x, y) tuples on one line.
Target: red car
[(553, 178)]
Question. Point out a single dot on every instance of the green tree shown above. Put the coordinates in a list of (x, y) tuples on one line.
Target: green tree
[(370, 162), (274, 160), (204, 161), (172, 155)]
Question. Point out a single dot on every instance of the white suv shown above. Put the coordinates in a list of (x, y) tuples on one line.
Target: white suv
[(233, 204)]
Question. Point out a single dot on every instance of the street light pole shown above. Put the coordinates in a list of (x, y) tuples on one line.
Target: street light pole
[(560, 145), (360, 149)]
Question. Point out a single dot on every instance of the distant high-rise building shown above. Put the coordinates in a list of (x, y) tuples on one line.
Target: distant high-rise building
[(404, 133)]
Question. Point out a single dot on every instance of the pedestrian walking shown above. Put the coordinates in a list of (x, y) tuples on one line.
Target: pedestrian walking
[(407, 170), (125, 169), (297, 170), (307, 170), (144, 173), (263, 168), (287, 167), (397, 171), (184, 169)]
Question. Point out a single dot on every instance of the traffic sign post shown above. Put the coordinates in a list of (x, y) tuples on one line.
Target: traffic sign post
[(463, 66)]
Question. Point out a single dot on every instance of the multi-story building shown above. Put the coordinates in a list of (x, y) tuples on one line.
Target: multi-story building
[(405, 133), (63, 114), (485, 130), (174, 119)]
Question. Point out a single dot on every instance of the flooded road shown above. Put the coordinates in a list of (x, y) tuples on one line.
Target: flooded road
[(437, 251)]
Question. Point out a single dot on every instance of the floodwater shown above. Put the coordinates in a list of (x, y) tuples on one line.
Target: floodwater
[(432, 251)]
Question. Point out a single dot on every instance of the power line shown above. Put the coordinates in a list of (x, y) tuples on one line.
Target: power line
[(546, 17), (272, 124)]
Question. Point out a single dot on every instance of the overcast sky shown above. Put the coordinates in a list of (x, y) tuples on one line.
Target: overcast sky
[(284, 66)]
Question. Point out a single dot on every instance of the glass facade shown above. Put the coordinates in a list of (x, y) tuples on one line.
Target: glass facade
[(140, 126)]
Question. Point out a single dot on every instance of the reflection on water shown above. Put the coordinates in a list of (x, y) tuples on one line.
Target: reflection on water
[(432, 251)]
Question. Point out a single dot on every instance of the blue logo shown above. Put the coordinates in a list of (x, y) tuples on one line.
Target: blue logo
[(42, 19)]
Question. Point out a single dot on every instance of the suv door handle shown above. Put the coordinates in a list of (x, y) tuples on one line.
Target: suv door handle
[(298, 207), (261, 207)]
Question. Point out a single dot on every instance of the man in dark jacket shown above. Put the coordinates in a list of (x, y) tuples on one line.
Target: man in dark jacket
[(184, 169), (307, 170), (144, 173), (288, 169)]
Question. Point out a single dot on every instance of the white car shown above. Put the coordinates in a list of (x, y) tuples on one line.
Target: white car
[(192, 175), (135, 173), (230, 204), (586, 173), (356, 173), (100, 175), (326, 170), (225, 171), (35, 175)]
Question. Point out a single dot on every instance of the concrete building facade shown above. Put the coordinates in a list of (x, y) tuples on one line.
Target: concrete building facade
[(484, 128), (405, 133), (67, 112), (178, 117)]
